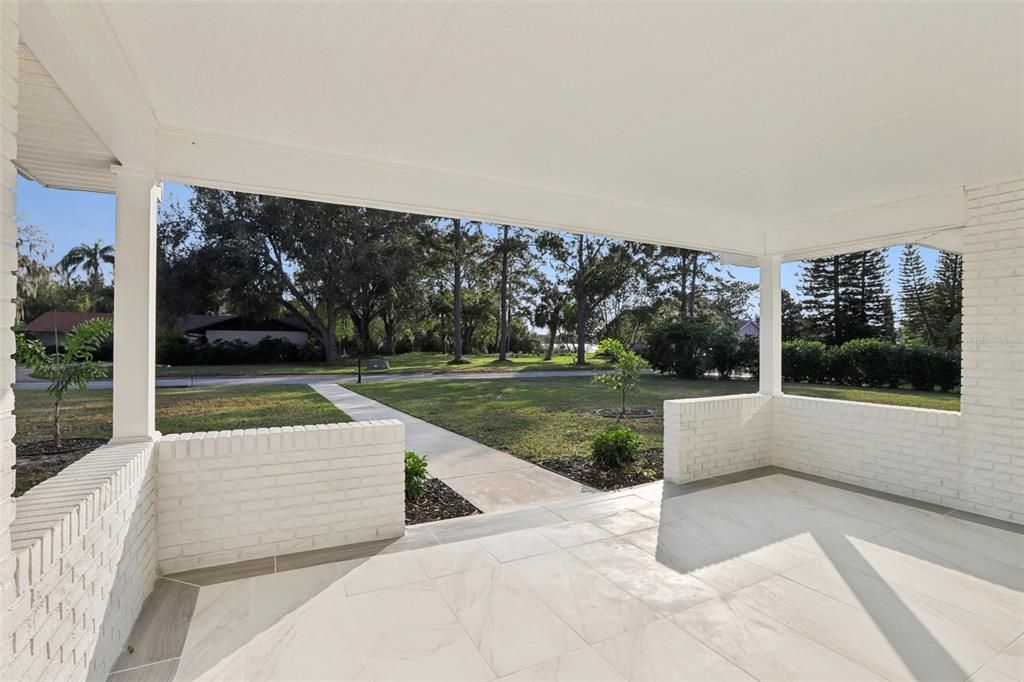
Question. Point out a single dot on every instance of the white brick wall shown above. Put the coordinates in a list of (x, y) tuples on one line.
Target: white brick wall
[(236, 495), (707, 437), (992, 399), (972, 460), (8, 290), (902, 450), (85, 550)]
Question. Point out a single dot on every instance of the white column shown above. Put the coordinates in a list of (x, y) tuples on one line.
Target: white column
[(138, 192), (771, 326)]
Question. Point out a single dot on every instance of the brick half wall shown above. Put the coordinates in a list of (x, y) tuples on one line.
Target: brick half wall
[(902, 450), (85, 550), (707, 437), (234, 495)]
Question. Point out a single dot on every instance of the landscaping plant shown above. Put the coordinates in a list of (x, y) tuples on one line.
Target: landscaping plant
[(73, 368), (415, 475), (628, 364), (616, 448)]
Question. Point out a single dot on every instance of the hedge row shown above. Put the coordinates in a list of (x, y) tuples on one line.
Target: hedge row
[(173, 349), (870, 362)]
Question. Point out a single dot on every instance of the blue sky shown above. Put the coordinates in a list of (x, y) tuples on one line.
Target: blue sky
[(70, 218)]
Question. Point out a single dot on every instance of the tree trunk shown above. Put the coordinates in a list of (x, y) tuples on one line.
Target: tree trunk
[(835, 300), (56, 424), (457, 291), (684, 307), (693, 285), (581, 308), (503, 325), (552, 330)]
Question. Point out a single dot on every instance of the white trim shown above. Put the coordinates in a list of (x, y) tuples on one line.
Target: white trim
[(242, 164), (76, 45), (908, 220)]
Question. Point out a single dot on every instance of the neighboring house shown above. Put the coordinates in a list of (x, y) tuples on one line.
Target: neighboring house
[(52, 328), (749, 330), (230, 328)]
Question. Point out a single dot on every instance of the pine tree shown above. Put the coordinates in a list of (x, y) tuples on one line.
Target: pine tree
[(844, 297), (821, 291), (915, 297), (947, 295), (866, 294), (792, 317)]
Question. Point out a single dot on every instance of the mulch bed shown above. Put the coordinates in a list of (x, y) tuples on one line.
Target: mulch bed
[(631, 413), (39, 460), (650, 466), (437, 502)]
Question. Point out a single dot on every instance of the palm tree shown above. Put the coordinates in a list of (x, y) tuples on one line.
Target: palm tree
[(89, 258)]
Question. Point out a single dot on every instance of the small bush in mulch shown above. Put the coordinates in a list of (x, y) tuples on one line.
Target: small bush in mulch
[(649, 466), (437, 502), (39, 461)]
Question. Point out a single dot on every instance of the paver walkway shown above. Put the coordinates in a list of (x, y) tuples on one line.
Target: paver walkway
[(491, 479)]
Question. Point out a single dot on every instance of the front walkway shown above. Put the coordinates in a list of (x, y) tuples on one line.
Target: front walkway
[(490, 479), (769, 578)]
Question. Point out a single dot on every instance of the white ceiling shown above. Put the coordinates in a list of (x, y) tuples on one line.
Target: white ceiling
[(750, 116)]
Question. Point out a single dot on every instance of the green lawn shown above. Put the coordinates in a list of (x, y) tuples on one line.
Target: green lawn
[(86, 414), (549, 417), (413, 363)]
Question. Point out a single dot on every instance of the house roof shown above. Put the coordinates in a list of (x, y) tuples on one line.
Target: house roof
[(236, 323), (189, 323), (62, 321)]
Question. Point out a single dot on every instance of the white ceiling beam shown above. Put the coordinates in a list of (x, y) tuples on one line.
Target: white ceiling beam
[(226, 162), (76, 45), (919, 219)]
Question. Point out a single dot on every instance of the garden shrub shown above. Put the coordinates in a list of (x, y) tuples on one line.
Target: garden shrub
[(616, 448), (415, 475)]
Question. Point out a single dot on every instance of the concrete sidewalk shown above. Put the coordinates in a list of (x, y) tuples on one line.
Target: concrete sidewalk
[(492, 480), (25, 380)]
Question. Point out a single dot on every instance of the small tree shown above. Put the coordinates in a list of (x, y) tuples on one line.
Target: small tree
[(628, 364), (72, 368)]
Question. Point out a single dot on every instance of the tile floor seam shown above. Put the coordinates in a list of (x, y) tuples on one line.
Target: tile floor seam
[(176, 580), (910, 588), (462, 628), (541, 600), (800, 633), (144, 665), (710, 647)]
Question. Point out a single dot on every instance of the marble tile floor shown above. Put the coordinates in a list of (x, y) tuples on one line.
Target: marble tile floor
[(771, 577)]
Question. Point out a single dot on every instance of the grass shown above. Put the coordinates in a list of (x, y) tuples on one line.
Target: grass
[(551, 417), (412, 363), (86, 414)]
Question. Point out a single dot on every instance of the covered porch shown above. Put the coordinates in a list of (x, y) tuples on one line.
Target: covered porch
[(793, 538)]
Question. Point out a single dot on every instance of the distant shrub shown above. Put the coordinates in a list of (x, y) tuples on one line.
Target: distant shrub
[(415, 475), (873, 362), (870, 362), (616, 448), (680, 347), (748, 356), (174, 349), (804, 360)]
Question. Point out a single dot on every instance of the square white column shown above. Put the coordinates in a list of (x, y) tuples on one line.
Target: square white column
[(138, 192), (770, 336)]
